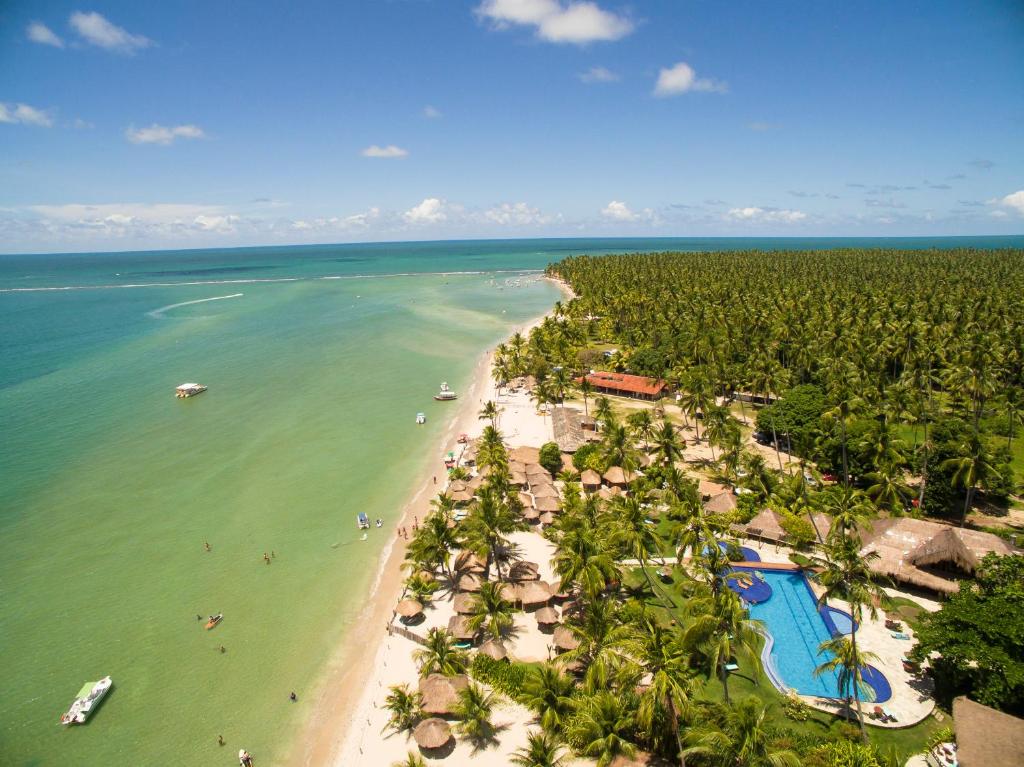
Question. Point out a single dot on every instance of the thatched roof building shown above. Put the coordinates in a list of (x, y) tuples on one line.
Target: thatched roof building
[(544, 491), (409, 608), (533, 593), (590, 480), (458, 627), (468, 562), (546, 616), (469, 582), (721, 503), (709, 489), (986, 737), (546, 504), (524, 571), (928, 554), (547, 518), (767, 525), (463, 604), (441, 693), (565, 639), (494, 650), (526, 500), (524, 455), (616, 476)]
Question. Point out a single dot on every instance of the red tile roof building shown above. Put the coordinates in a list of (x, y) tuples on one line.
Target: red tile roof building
[(626, 385)]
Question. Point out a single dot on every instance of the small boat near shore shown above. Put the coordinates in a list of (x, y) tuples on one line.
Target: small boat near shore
[(86, 701), (363, 521), (214, 620), (446, 394), (187, 390), (421, 418)]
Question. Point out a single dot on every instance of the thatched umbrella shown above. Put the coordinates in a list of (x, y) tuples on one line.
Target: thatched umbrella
[(475, 483), (546, 616), (432, 733), (508, 592), (607, 493), (441, 693), (547, 518), (464, 603), (468, 562), (721, 503), (427, 576), (409, 608), (517, 466), (533, 593), (469, 582), (455, 485), (546, 504), (524, 571), (526, 500), (494, 650), (555, 587), (544, 491), (564, 639), (459, 628), (590, 480), (531, 514)]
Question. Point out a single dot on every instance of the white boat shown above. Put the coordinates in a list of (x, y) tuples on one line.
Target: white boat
[(363, 521), (421, 418), (187, 390), (445, 394), (88, 700)]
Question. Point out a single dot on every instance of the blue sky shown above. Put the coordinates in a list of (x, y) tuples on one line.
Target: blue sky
[(128, 125)]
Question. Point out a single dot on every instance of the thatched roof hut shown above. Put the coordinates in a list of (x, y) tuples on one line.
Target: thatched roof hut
[(524, 455), (468, 562), (533, 593), (986, 737), (546, 504), (546, 616), (544, 491), (534, 468), (524, 571), (945, 548), (616, 476), (721, 503), (441, 693), (469, 582), (590, 480), (458, 627), (432, 733), (547, 518), (517, 466), (461, 497), (518, 479), (709, 489), (409, 608), (531, 514), (526, 500), (464, 603), (565, 639), (494, 650), (607, 493), (767, 525)]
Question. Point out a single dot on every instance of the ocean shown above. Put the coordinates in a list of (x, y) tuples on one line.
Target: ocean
[(317, 360)]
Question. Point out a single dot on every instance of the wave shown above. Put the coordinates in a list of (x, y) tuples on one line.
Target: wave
[(158, 313)]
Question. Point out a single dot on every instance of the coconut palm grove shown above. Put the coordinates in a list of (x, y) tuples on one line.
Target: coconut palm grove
[(839, 393)]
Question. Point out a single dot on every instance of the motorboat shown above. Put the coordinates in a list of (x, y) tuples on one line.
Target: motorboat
[(214, 620), (86, 701), (363, 521), (446, 394), (187, 390), (421, 418)]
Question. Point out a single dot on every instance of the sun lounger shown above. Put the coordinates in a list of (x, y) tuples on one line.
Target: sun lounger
[(889, 715), (899, 635), (731, 667)]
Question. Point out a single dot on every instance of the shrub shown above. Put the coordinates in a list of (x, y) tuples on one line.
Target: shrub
[(507, 678), (587, 457), (551, 457), (800, 531), (795, 708)]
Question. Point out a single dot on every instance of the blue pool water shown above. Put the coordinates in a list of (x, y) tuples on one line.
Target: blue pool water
[(749, 555), (797, 629)]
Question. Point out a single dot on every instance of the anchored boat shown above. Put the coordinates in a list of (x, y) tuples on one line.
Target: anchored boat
[(187, 390), (87, 700), (214, 620), (363, 521), (445, 394), (421, 418)]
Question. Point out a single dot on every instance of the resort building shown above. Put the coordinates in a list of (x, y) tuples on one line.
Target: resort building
[(928, 554), (986, 737), (625, 385)]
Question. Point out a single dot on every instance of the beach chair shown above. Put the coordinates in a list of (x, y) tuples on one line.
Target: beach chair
[(730, 667), (899, 635), (889, 715)]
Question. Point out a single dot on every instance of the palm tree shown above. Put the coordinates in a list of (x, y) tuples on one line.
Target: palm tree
[(642, 424), (541, 750), (849, 509), (489, 412), (490, 611), (561, 382), (583, 558), (601, 727), (666, 444), (722, 630), (973, 467), (603, 411), (548, 692), (490, 451), (486, 528), (743, 739), (586, 389), (412, 760), (474, 709), (542, 394), (638, 539), (600, 635), (849, 662), (617, 448), (405, 705), (439, 655), (843, 377)]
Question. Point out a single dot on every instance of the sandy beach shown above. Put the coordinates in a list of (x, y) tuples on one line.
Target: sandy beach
[(347, 723)]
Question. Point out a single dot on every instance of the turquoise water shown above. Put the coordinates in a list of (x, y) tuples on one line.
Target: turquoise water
[(109, 486), (791, 616)]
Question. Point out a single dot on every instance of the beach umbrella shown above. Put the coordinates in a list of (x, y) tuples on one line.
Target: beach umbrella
[(544, 491), (564, 639), (432, 733), (533, 593), (469, 582), (547, 518), (441, 693), (461, 496), (523, 571), (518, 478), (556, 590), (494, 650), (459, 628), (508, 593), (409, 608), (546, 616), (546, 504), (455, 485), (475, 483), (526, 500), (463, 603)]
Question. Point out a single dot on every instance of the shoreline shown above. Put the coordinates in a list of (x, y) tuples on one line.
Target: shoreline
[(346, 686)]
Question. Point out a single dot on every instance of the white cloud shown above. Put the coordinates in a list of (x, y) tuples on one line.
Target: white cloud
[(620, 211), (387, 152), (516, 214), (96, 30), (766, 214), (222, 224), (599, 75), (163, 134), (148, 213), (430, 211), (1014, 202), (24, 114), (40, 33), (578, 21), (680, 78), (431, 113)]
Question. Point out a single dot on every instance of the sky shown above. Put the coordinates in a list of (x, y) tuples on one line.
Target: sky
[(128, 125)]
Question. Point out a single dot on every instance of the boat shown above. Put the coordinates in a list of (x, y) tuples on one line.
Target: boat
[(86, 701), (421, 418), (445, 394), (187, 390), (214, 620), (363, 521)]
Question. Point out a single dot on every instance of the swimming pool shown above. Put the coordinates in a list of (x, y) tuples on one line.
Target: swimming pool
[(749, 555), (796, 628)]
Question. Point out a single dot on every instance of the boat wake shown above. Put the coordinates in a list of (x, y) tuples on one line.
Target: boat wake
[(159, 313)]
